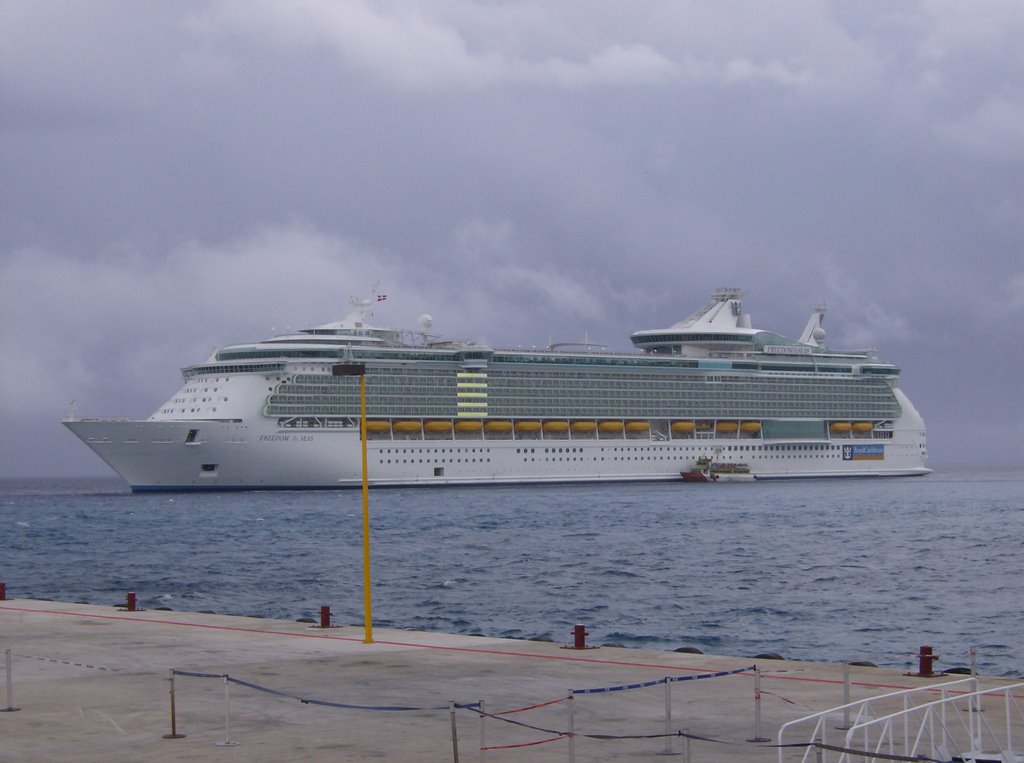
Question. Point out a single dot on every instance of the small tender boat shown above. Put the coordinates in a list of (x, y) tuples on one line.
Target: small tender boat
[(706, 470)]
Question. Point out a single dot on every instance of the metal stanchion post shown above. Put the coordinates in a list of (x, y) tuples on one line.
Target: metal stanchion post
[(174, 726), (757, 708), (976, 739), (975, 705), (228, 741), (10, 685), (668, 718), (572, 730), (483, 736), (846, 698), (455, 733), (686, 747)]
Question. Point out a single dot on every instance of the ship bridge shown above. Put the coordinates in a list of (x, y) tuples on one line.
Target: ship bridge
[(719, 326)]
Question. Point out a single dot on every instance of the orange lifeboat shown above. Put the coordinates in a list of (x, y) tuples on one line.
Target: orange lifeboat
[(610, 427), (726, 427), (556, 427), (469, 426), (378, 425), (527, 426), (636, 427), (497, 426), (438, 427), (840, 427), (407, 426), (584, 426), (683, 427)]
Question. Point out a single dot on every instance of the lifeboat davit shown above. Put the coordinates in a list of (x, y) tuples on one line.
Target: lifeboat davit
[(438, 426), (378, 425), (407, 426)]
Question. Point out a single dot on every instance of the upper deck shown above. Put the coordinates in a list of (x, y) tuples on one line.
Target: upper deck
[(719, 336)]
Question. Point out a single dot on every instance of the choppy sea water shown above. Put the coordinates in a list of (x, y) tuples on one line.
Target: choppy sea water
[(823, 570)]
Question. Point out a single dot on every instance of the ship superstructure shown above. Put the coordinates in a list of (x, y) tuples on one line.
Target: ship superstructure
[(283, 413)]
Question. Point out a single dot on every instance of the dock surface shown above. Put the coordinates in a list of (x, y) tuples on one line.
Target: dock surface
[(93, 684)]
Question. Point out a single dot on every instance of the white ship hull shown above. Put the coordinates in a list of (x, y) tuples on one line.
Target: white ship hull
[(260, 456)]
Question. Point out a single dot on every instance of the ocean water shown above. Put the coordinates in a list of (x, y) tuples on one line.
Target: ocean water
[(823, 570)]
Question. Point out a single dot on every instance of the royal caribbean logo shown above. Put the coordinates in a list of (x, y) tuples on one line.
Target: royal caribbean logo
[(863, 452)]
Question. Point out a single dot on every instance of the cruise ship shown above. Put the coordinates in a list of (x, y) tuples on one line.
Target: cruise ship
[(286, 413)]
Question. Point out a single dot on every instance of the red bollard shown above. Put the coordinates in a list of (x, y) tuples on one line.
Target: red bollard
[(325, 616), (579, 633), (579, 638), (3, 591), (926, 660), (130, 603)]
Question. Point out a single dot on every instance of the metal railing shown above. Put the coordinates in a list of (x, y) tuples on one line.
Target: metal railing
[(955, 726), (863, 711)]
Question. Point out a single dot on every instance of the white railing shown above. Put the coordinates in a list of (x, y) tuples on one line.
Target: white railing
[(957, 726), (864, 711)]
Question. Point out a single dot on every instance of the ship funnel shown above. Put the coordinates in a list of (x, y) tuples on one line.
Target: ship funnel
[(814, 332)]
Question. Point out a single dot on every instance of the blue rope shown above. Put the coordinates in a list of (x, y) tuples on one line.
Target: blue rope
[(197, 675), (712, 675), (646, 684), (624, 687)]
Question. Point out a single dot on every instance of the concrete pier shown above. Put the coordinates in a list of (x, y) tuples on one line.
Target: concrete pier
[(92, 684)]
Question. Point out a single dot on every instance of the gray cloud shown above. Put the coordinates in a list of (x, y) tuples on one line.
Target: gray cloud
[(179, 176)]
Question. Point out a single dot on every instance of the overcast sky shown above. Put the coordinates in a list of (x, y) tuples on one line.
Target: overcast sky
[(176, 176)]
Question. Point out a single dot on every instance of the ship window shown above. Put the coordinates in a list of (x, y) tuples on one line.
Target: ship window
[(192, 435), (209, 467), (438, 471)]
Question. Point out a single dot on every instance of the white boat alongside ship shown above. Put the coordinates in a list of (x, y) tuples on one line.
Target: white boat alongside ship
[(284, 413)]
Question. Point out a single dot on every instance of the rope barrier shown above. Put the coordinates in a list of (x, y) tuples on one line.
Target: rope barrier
[(865, 753), (522, 744), (603, 737), (308, 701), (683, 734), (660, 681), (624, 687), (476, 708), (530, 726), (779, 696), (67, 662), (699, 676), (532, 707), (197, 675)]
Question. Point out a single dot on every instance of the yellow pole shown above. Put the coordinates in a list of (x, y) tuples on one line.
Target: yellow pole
[(367, 607)]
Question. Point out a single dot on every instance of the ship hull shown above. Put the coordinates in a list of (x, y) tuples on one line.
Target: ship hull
[(161, 456)]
